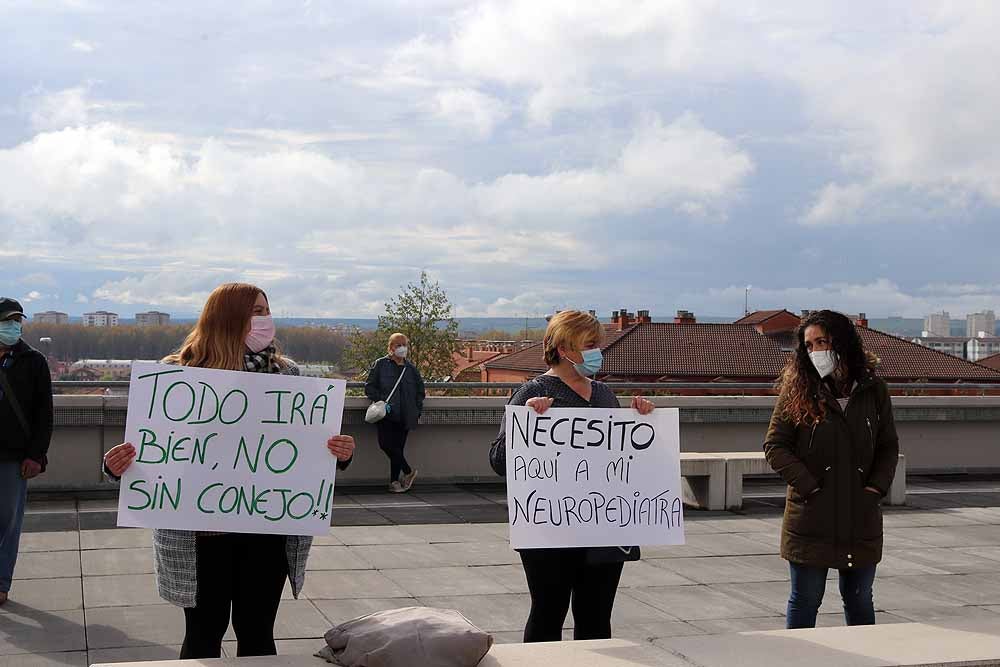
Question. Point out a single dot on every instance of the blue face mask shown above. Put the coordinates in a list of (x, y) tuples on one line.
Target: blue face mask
[(592, 360), (10, 332)]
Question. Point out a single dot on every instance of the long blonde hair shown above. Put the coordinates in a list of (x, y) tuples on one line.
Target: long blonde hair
[(218, 340)]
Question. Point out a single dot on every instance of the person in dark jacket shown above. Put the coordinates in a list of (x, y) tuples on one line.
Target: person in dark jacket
[(25, 430), (404, 406), (833, 440), (587, 577)]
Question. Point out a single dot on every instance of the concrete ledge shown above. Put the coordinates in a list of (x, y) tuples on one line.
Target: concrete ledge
[(739, 464), (967, 643), (603, 653), (946, 434)]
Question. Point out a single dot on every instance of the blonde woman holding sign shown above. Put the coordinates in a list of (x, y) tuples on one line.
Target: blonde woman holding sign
[(215, 575), (588, 577)]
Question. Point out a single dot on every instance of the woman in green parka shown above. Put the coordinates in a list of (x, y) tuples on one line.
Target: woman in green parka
[(833, 440)]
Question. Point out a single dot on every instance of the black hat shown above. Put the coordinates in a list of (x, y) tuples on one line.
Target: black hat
[(9, 307)]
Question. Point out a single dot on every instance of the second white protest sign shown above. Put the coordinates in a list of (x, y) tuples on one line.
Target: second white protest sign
[(593, 477)]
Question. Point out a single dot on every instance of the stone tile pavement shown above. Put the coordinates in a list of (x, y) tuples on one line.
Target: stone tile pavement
[(84, 590)]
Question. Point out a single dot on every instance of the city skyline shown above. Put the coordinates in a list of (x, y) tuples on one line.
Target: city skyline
[(529, 156)]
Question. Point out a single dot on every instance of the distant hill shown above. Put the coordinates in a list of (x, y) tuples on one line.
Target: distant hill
[(904, 327)]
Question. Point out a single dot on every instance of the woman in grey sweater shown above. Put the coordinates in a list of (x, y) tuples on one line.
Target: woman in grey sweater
[(588, 577)]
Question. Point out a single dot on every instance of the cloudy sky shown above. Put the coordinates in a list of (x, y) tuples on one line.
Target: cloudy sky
[(528, 154)]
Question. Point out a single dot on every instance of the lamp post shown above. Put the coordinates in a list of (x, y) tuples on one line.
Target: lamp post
[(47, 342)]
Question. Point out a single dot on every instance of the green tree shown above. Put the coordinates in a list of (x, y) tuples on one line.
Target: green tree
[(422, 312)]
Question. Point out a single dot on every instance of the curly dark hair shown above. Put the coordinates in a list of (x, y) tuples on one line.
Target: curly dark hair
[(799, 384)]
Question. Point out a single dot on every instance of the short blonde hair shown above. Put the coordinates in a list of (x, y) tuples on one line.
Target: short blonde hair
[(395, 339), (570, 329)]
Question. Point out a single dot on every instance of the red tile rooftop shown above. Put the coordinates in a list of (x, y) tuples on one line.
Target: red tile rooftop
[(991, 362), (662, 351)]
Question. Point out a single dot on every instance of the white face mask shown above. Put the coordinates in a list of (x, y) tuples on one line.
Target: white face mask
[(825, 362), (401, 351)]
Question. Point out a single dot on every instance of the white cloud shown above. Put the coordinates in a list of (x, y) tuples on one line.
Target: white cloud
[(881, 297), (914, 109), (470, 109), (70, 107), (496, 143), (57, 110), (82, 298), (33, 295), (170, 215), (836, 203), (261, 137), (538, 301), (40, 279), (903, 89), (682, 164), (558, 49), (186, 290)]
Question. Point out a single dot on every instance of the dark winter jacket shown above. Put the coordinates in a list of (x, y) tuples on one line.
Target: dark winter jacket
[(28, 374), (830, 519), (407, 403)]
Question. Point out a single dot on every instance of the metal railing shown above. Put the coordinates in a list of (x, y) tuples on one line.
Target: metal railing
[(658, 386)]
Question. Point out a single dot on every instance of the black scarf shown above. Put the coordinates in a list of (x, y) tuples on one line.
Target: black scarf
[(265, 361)]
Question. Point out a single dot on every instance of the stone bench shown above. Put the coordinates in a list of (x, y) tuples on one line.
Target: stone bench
[(965, 642), (703, 480), (739, 464)]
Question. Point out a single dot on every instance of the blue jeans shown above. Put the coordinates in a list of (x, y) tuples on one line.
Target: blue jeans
[(13, 493), (809, 584)]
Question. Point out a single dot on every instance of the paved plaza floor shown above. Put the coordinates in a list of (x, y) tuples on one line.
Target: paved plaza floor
[(84, 589)]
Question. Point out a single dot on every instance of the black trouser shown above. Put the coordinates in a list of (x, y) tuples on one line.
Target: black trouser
[(246, 572), (392, 440), (555, 576)]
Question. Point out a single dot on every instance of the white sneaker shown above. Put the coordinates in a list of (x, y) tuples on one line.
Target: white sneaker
[(396, 487), (408, 480)]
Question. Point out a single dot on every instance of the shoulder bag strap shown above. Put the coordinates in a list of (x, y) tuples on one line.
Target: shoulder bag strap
[(8, 390), (396, 386)]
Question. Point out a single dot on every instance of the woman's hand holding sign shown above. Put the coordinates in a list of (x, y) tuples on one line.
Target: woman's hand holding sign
[(643, 405), (540, 404), (119, 458), (341, 446)]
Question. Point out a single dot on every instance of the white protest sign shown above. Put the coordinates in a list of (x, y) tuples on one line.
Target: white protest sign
[(593, 477), (229, 451)]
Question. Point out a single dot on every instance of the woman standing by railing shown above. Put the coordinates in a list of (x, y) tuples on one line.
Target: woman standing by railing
[(588, 577), (208, 573), (833, 440)]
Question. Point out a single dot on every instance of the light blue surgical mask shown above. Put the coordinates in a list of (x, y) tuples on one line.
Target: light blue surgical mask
[(592, 360), (10, 332)]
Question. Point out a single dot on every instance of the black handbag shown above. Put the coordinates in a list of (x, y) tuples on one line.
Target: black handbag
[(610, 555)]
